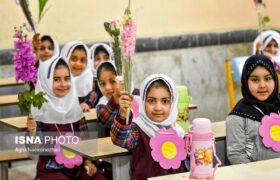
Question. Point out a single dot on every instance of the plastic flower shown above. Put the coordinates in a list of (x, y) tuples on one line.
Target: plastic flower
[(65, 157), (270, 131), (168, 149)]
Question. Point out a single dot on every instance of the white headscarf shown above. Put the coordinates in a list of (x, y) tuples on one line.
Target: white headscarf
[(58, 110), (55, 50), (266, 41), (82, 82), (104, 100), (149, 126), (262, 36), (92, 51)]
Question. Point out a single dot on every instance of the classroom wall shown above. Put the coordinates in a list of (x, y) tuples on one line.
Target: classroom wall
[(69, 20)]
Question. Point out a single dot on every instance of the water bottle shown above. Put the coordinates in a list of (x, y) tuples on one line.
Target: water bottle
[(200, 144)]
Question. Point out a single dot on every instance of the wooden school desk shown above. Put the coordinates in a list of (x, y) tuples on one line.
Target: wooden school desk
[(19, 123), (260, 170), (9, 82), (119, 157), (8, 100)]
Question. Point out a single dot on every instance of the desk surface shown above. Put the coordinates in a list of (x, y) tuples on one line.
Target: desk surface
[(260, 170), (20, 122), (7, 100), (9, 82), (107, 149)]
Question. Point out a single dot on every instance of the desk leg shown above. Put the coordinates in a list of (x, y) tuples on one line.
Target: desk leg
[(121, 167), (4, 171)]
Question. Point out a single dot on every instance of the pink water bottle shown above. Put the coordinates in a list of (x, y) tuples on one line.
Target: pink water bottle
[(200, 142)]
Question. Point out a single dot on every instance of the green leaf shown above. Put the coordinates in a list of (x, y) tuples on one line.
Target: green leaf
[(107, 27), (42, 4), (266, 19)]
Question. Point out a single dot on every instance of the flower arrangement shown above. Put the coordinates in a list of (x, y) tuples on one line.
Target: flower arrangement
[(168, 149), (262, 20), (270, 130), (25, 70), (113, 30)]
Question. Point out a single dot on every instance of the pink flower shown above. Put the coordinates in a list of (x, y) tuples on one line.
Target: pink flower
[(270, 131), (65, 157), (128, 38), (168, 149)]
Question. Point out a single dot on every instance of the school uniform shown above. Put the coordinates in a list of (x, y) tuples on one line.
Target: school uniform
[(137, 134), (244, 144), (60, 115)]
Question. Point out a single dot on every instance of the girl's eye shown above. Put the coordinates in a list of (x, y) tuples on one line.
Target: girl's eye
[(56, 79), (165, 101), (83, 60), (67, 78), (42, 49), (102, 84), (106, 57), (268, 78), (113, 81), (97, 58), (254, 80), (74, 59), (151, 101)]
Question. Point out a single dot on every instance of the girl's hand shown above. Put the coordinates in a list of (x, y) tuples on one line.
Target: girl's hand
[(31, 124), (125, 102), (117, 92), (85, 107), (36, 42), (258, 47), (91, 168)]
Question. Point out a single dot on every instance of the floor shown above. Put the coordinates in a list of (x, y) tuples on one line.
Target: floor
[(23, 170)]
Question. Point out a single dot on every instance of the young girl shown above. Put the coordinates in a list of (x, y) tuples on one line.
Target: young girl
[(268, 44), (107, 106), (77, 56), (100, 52), (260, 97), (61, 114), (45, 47), (158, 110)]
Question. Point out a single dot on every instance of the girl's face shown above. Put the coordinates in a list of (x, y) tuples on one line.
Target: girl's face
[(61, 81), (158, 104), (261, 84), (272, 47), (78, 61), (100, 57), (107, 83), (46, 50)]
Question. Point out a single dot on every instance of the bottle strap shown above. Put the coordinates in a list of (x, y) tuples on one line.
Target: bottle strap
[(217, 158)]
